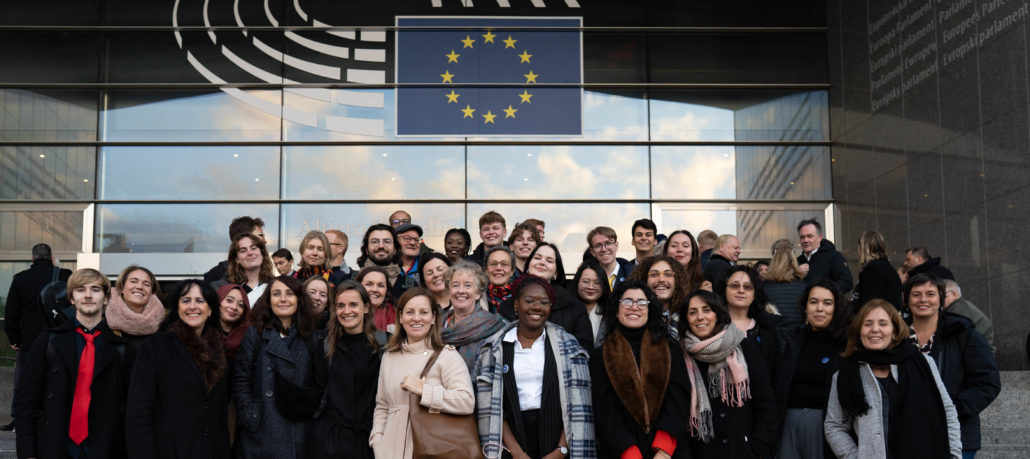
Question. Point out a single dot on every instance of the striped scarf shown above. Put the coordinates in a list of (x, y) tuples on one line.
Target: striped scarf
[(727, 375)]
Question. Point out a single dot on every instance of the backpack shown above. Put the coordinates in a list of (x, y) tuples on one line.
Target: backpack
[(53, 300)]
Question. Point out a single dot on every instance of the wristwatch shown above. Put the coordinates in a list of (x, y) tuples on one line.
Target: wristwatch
[(563, 450)]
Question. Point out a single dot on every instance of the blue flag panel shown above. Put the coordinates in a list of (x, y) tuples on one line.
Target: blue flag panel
[(456, 51)]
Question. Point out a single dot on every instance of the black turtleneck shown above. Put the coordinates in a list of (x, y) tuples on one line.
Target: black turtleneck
[(633, 336), (815, 366)]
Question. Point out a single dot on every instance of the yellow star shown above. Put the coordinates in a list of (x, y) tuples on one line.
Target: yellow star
[(468, 41), (525, 56), (525, 97), (452, 57), (447, 76), (452, 97), (468, 110), (510, 42), (488, 37), (489, 117), (510, 112), (530, 77)]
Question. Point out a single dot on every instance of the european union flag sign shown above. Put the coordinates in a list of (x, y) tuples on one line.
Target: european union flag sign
[(545, 64)]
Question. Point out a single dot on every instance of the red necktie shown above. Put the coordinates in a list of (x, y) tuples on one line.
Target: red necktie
[(78, 428)]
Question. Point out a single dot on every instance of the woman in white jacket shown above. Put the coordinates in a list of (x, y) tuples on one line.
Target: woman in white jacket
[(888, 394)]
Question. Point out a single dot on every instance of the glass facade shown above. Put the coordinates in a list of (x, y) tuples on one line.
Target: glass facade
[(695, 115)]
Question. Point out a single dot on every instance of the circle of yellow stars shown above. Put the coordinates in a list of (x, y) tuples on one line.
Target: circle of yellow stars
[(489, 37)]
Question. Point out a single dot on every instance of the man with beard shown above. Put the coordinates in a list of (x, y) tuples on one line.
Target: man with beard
[(380, 247), (668, 279), (409, 236)]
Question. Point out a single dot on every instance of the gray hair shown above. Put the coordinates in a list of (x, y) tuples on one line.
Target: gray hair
[(475, 269), (951, 285)]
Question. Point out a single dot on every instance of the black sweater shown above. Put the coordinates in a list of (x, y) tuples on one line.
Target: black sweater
[(813, 369)]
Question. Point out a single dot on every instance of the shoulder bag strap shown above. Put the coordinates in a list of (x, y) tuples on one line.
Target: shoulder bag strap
[(429, 364)]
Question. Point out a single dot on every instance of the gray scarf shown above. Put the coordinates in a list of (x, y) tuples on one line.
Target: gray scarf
[(727, 375)]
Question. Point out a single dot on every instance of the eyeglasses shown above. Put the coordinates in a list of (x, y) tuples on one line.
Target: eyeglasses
[(738, 286), (605, 245), (659, 274), (407, 239), (590, 282), (397, 221), (498, 264), (628, 303), (543, 302), (380, 241)]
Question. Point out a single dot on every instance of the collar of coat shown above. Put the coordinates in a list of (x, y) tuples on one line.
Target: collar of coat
[(641, 391)]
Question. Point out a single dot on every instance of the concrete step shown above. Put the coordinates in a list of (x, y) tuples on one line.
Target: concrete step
[(1005, 424)]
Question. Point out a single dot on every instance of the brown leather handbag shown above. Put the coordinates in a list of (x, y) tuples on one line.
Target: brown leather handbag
[(441, 435)]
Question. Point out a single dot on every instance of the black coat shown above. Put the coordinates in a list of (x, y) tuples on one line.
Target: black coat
[(716, 269), (616, 430), (828, 263), (878, 279), (170, 412), (766, 336), (968, 370), (352, 379), (23, 319), (741, 432), (933, 267), (567, 312), (46, 390), (794, 340)]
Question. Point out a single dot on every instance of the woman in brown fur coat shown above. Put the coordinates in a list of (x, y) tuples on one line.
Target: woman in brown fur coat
[(641, 387)]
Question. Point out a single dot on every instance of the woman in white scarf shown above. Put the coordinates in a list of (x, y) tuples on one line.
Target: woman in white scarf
[(733, 407)]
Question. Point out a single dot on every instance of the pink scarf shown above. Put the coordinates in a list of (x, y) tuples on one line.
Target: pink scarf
[(121, 318), (727, 375)]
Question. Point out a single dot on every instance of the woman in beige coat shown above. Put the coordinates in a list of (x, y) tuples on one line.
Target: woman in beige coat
[(447, 388)]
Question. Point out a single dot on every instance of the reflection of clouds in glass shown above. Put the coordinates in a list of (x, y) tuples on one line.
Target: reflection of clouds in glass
[(567, 225), (364, 172), (693, 172), (217, 116), (682, 121), (176, 227), (190, 173), (695, 221), (562, 172)]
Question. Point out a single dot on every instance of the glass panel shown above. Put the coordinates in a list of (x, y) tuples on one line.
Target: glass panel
[(50, 13), (567, 225), (176, 228), (761, 173), (737, 13), (374, 172), (234, 115), (613, 57), (23, 229), (560, 172), (47, 172), (369, 114), (49, 57), (737, 58), (726, 115), (185, 173), (53, 115), (757, 226), (354, 220)]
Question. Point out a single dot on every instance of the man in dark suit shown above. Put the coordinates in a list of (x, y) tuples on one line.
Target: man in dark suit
[(70, 400), (23, 319)]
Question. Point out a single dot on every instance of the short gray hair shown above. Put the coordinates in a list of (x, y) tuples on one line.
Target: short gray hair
[(951, 285), (475, 269)]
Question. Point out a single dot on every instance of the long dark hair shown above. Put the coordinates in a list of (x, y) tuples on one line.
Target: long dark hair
[(695, 275), (758, 303), (559, 268), (335, 330), (655, 319), (388, 297), (722, 312), (180, 289), (304, 318), (606, 291), (207, 350), (841, 307)]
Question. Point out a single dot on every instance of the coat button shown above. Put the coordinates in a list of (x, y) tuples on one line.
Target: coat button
[(725, 441), (255, 415), (268, 393), (722, 415), (204, 405), (204, 432), (269, 368), (50, 395)]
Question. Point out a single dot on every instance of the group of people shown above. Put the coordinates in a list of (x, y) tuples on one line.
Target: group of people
[(681, 352)]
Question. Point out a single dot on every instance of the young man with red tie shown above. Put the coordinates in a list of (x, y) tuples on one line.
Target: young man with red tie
[(70, 403)]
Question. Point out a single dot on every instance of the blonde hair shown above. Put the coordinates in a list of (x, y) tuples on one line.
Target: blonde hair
[(86, 276), (871, 246), (783, 267), (327, 253)]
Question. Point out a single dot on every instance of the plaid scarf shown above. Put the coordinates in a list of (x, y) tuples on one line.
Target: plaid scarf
[(727, 375)]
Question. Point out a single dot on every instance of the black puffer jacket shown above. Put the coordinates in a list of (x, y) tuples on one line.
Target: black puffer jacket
[(968, 370)]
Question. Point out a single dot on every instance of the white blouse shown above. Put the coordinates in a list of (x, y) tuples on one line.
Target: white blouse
[(529, 369)]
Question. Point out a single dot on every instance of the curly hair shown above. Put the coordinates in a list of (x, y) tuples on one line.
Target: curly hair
[(655, 319), (679, 291), (722, 313), (695, 276)]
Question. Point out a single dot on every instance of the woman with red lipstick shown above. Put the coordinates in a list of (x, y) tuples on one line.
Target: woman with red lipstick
[(732, 410)]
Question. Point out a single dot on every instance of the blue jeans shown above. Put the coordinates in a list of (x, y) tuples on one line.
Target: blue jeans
[(968, 454)]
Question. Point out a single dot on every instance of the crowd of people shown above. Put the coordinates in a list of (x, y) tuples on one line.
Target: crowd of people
[(684, 351)]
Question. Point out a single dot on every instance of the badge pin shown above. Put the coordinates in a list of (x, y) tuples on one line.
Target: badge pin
[(825, 360)]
